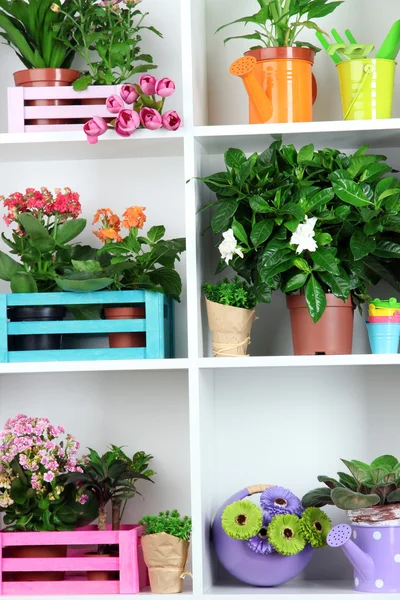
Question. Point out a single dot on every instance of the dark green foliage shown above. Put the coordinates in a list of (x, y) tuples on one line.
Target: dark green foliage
[(232, 293), (368, 485), (168, 522)]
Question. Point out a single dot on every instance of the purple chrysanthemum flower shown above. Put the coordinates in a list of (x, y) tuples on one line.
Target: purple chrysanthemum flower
[(259, 543), (277, 500)]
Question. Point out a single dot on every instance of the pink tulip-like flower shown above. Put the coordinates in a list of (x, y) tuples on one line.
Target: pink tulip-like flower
[(127, 122), (94, 128), (114, 104), (150, 118), (128, 93), (171, 120), (165, 87), (148, 84)]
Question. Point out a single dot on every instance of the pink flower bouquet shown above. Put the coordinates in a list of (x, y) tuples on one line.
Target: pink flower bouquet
[(146, 109)]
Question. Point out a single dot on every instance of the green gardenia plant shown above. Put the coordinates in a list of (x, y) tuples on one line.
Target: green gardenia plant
[(38, 35), (232, 293), (280, 22), (312, 221), (169, 522), (367, 486), (107, 35)]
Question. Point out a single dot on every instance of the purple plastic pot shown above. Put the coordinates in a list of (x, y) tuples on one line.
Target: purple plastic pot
[(374, 553), (248, 566)]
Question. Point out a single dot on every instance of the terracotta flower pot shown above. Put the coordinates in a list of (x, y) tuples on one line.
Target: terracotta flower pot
[(129, 339), (285, 76), (332, 334), (46, 78), (36, 552), (101, 575)]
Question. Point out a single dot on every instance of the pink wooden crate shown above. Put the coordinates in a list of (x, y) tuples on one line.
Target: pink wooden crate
[(130, 564), (20, 111)]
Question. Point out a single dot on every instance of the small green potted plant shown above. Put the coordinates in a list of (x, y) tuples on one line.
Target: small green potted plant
[(231, 311), (283, 61), (165, 546), (321, 226)]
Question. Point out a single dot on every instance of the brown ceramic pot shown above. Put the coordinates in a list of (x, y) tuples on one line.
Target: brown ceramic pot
[(36, 552), (332, 334), (136, 339), (46, 78), (101, 575)]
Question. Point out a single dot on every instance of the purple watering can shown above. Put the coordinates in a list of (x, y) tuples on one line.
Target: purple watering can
[(374, 554), (244, 564)]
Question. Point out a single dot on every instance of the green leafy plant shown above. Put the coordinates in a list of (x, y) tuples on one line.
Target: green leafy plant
[(312, 221), (38, 35), (232, 293), (280, 22), (107, 35), (169, 522), (368, 485), (111, 478)]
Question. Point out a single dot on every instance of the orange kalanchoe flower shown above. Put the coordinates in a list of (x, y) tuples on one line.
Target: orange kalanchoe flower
[(102, 213), (108, 234), (134, 217)]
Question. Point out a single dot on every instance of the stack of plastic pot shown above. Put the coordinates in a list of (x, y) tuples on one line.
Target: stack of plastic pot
[(384, 326)]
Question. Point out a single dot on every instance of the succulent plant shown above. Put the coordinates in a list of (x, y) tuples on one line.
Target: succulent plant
[(367, 486)]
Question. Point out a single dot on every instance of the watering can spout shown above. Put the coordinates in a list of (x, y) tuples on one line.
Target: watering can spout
[(339, 537), (243, 67)]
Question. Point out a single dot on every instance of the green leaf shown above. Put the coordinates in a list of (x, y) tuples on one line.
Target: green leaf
[(349, 500), (359, 164), (82, 83), (350, 192), (221, 218), (323, 239), (239, 232), (259, 205), (261, 232), (347, 481), (375, 172), (338, 284), (302, 265), (8, 266), (69, 230), (156, 233), (319, 199), (305, 154), (318, 498), (86, 266), (361, 245), (295, 282), (386, 249), (23, 283), (234, 158), (359, 471), (329, 481), (37, 232), (381, 271), (322, 10), (325, 258), (393, 497), (83, 285), (315, 299), (169, 280)]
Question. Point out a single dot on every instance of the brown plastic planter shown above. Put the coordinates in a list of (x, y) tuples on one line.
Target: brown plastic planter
[(332, 334), (46, 78), (126, 340), (36, 552)]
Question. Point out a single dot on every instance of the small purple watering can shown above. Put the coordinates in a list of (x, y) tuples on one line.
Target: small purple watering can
[(244, 564), (374, 553)]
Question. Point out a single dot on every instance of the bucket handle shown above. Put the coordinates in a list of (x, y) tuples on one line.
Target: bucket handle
[(368, 70), (258, 489), (314, 89)]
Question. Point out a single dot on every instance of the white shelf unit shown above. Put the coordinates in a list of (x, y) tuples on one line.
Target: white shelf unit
[(213, 425)]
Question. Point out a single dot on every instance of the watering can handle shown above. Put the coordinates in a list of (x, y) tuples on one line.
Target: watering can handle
[(314, 89), (258, 489)]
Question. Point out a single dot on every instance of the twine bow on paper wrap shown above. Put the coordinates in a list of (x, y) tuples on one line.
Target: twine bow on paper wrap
[(230, 327), (166, 557)]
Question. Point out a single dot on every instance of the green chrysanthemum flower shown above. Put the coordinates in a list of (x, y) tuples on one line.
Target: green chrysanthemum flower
[(315, 526), (284, 533), (241, 520)]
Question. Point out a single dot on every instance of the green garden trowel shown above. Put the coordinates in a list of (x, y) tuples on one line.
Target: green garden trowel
[(391, 46)]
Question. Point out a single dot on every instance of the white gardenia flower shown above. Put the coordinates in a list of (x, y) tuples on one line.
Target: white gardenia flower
[(303, 237), (228, 247)]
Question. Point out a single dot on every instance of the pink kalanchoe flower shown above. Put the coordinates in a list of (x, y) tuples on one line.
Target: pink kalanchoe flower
[(150, 118), (128, 93), (127, 122), (94, 128), (171, 120), (114, 104), (148, 84), (49, 476), (165, 87)]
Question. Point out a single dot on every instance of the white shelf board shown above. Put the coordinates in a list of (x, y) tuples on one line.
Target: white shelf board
[(316, 589), (381, 133), (145, 592), (162, 364), (343, 360), (72, 145)]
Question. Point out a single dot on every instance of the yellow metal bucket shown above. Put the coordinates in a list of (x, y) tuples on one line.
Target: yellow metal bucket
[(367, 87)]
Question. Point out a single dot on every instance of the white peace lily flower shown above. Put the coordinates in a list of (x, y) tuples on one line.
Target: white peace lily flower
[(228, 247), (303, 237)]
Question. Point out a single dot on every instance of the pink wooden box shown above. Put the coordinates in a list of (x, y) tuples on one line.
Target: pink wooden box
[(130, 564), (72, 107)]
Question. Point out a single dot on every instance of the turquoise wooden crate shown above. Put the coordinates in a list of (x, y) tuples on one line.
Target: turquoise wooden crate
[(158, 326)]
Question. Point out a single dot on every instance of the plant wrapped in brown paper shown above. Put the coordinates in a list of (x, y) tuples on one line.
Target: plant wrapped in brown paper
[(230, 309), (165, 546)]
